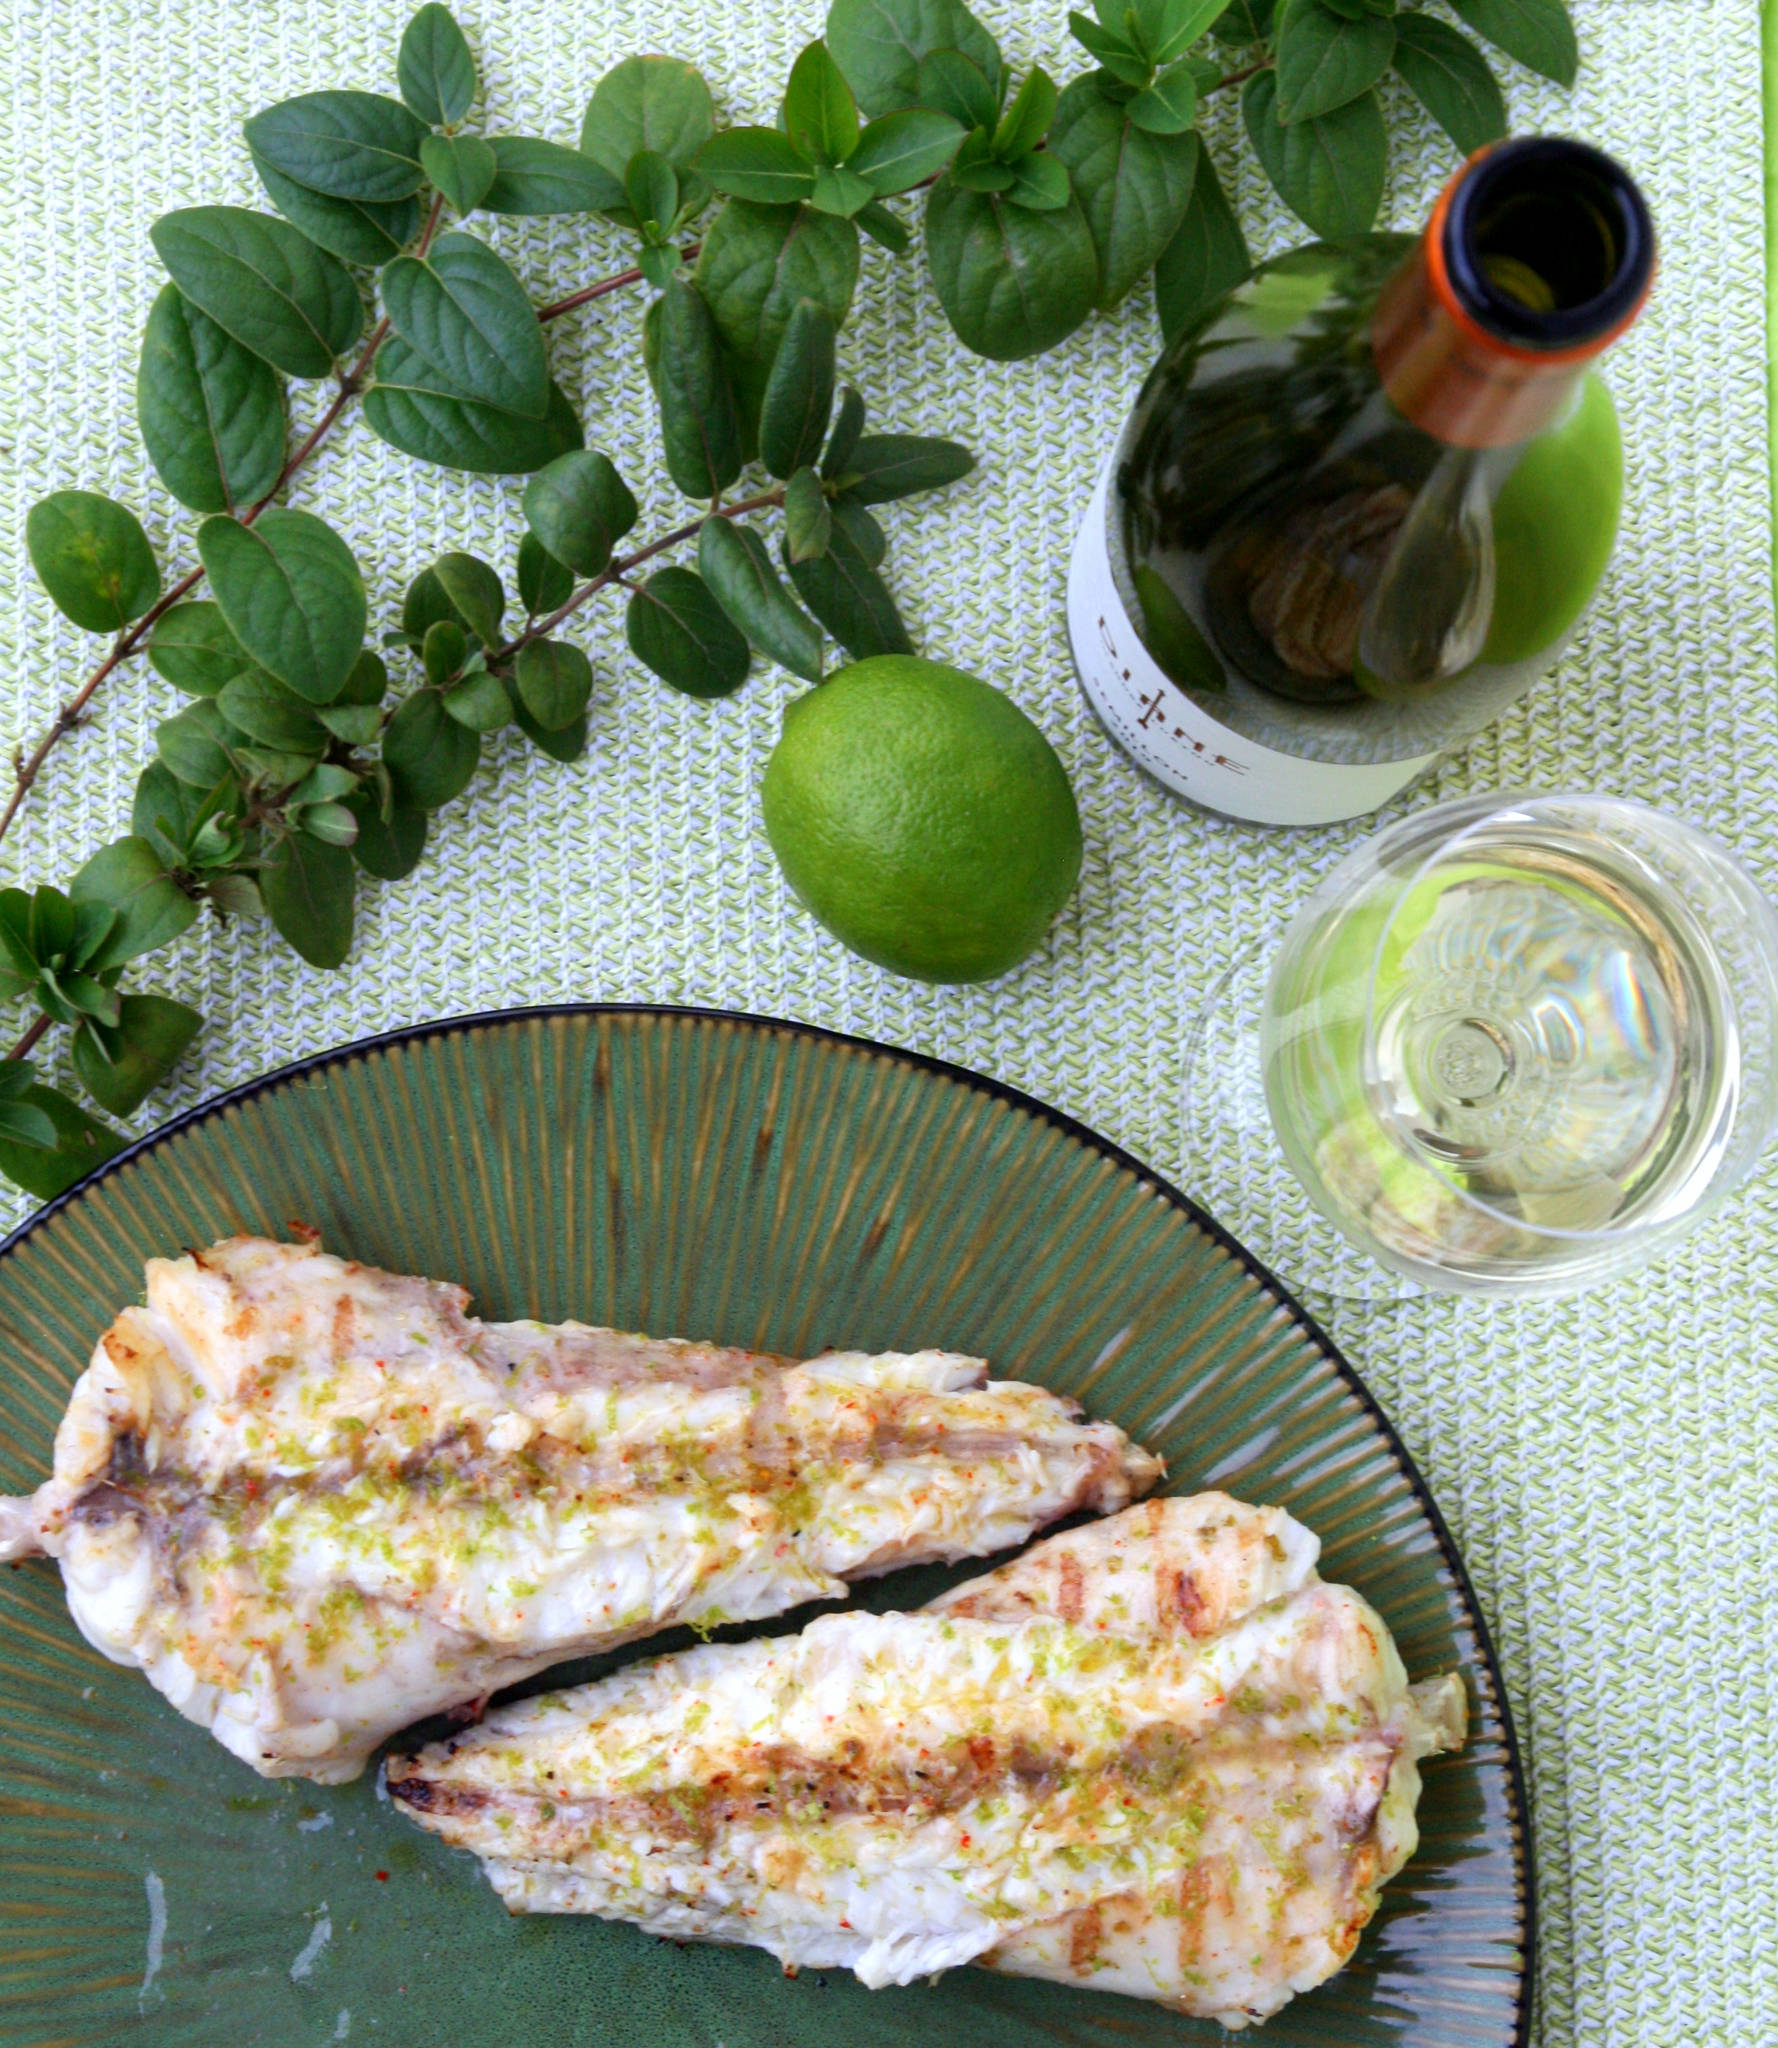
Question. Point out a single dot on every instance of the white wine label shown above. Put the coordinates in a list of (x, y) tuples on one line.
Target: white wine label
[(1176, 739)]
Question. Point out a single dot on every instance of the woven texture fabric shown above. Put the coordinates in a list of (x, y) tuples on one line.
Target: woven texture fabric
[(1606, 1463)]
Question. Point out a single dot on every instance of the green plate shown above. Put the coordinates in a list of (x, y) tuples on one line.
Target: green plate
[(701, 1175)]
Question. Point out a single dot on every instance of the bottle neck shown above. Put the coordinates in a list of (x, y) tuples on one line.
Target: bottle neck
[(1474, 366)]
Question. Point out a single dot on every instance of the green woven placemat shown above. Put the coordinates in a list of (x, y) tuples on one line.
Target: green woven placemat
[(1608, 1463)]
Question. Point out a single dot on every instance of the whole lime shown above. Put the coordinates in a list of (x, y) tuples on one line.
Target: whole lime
[(923, 818)]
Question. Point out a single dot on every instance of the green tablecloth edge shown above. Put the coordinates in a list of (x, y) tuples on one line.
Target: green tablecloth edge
[(1769, 103)]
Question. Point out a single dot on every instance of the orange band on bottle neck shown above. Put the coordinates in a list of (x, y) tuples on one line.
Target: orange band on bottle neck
[(1449, 375)]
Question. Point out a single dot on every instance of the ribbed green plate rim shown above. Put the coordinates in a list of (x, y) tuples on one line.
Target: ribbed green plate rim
[(98, 1778)]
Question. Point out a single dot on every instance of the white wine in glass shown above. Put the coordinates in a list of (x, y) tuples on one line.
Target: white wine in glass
[(1522, 1044)]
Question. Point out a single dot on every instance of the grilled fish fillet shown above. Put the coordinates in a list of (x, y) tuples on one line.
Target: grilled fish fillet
[(1157, 1756), (314, 1502)]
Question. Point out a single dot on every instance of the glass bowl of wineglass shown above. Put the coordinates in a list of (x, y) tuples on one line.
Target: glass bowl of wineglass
[(1512, 1045)]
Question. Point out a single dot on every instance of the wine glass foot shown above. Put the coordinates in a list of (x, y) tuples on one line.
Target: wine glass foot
[(1239, 1171)]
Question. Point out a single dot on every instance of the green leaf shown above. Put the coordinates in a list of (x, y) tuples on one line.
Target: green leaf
[(555, 683), (81, 1143), (654, 103), (386, 847), (350, 229), (292, 595), (1111, 50), (1012, 283), (850, 599), (651, 186), (1040, 183), (424, 604), (808, 524), (409, 408), (325, 783), (430, 757), (676, 628), (479, 702), (878, 44), (51, 923), (267, 284), (193, 649), (443, 651), (861, 529), (435, 69), (366, 681), (901, 150), (544, 582), (658, 262), (700, 435), (235, 895), (984, 175), (734, 563), (757, 164), (307, 888), (465, 314), (1206, 258), (883, 228), (1177, 24), (16, 1077), (119, 1067), (1328, 171), (165, 813), (1133, 186), (1537, 32), (840, 191), (1324, 61), (194, 744), (23, 1122), (1170, 105), (1027, 121), (757, 263), (129, 878), (1450, 78), (578, 509), (334, 825), (93, 558), (356, 724), (567, 744), (463, 167), (473, 589), (1244, 21), (885, 467), (948, 83), (272, 714), (798, 398), (536, 177), (211, 412), (820, 114), (842, 443), (350, 145)]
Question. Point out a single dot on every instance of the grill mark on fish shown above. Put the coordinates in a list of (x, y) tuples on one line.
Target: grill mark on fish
[(1179, 1596), (1070, 1588)]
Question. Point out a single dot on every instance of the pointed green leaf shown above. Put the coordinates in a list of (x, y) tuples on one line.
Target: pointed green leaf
[(24, 1123), (861, 528), (235, 895), (164, 810), (850, 599), (1040, 183), (81, 1143), (1206, 258), (1451, 79), (1110, 49), (808, 524), (194, 744), (1170, 105), (535, 177), (1244, 21), (555, 682), (434, 67), (443, 651), (757, 164), (129, 877), (211, 412), (307, 888), (192, 647), (544, 582), (676, 628), (430, 757), (820, 114), (267, 284), (465, 314), (699, 432), (651, 190), (658, 262), (901, 150), (386, 847), (1027, 121), (412, 410), (1133, 186), (883, 228), (334, 825), (325, 783), (799, 392), (350, 145), (292, 595), (93, 558), (1325, 61), (885, 467), (578, 508), (878, 44), (350, 229), (840, 192), (366, 681), (356, 724), (1538, 33), (654, 103), (119, 1067), (948, 83), (462, 167), (565, 744), (734, 563), (479, 702), (473, 589), (1012, 283), (842, 443), (271, 714), (1329, 171), (1177, 24)]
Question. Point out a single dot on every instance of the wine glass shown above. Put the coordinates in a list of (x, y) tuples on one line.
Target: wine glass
[(1513, 1044)]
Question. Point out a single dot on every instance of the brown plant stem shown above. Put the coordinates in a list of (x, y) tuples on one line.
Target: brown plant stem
[(29, 1037), (606, 285)]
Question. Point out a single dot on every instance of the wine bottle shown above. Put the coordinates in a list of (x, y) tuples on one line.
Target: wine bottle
[(1362, 501)]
